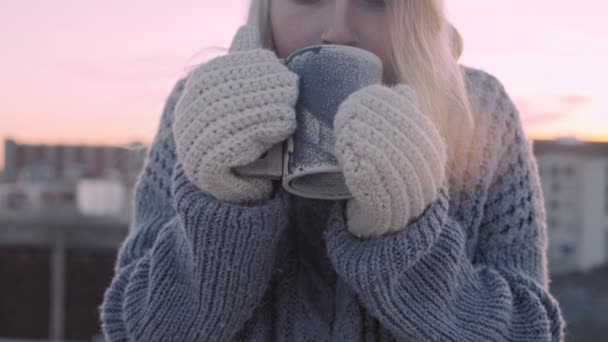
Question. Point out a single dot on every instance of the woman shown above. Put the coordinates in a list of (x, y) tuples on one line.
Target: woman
[(443, 240)]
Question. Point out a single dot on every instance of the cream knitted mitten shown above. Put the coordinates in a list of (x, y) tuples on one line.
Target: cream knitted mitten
[(234, 108), (392, 156)]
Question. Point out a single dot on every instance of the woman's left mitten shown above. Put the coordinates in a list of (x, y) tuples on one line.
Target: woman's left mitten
[(392, 156)]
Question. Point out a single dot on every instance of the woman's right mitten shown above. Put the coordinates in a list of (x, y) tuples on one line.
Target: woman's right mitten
[(233, 109)]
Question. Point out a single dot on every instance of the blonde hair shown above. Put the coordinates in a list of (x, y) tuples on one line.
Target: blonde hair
[(425, 53)]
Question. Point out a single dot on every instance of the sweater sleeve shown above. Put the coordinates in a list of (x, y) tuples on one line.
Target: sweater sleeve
[(420, 282), (192, 268)]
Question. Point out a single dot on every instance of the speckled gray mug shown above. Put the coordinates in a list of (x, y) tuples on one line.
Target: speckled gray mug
[(328, 75)]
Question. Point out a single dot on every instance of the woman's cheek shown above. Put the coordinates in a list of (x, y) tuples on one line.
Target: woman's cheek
[(291, 39), (294, 30), (380, 45), (286, 41)]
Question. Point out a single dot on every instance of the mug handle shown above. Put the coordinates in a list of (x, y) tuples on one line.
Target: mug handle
[(269, 165)]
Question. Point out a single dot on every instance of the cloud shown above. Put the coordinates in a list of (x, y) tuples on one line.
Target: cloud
[(550, 110)]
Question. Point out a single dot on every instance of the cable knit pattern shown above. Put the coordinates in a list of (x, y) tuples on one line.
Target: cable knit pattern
[(234, 108), (471, 267), (392, 156), (176, 279)]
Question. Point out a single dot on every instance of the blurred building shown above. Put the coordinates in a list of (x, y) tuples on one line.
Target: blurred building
[(54, 271), (64, 210), (574, 177), (90, 180), (102, 198), (25, 162)]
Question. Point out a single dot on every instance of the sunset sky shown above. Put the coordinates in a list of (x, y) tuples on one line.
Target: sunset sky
[(98, 72)]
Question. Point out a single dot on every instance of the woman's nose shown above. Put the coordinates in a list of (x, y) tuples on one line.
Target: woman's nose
[(338, 29)]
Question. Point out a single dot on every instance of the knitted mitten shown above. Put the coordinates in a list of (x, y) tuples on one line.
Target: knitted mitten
[(392, 156), (234, 108)]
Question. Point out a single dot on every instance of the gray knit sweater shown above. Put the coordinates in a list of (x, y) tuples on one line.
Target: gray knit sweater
[(472, 267)]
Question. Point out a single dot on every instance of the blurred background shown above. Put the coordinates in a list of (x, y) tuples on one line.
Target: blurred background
[(82, 87)]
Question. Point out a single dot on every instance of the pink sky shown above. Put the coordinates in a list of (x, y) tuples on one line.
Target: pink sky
[(73, 72)]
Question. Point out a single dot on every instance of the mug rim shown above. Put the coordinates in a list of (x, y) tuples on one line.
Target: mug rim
[(332, 47)]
